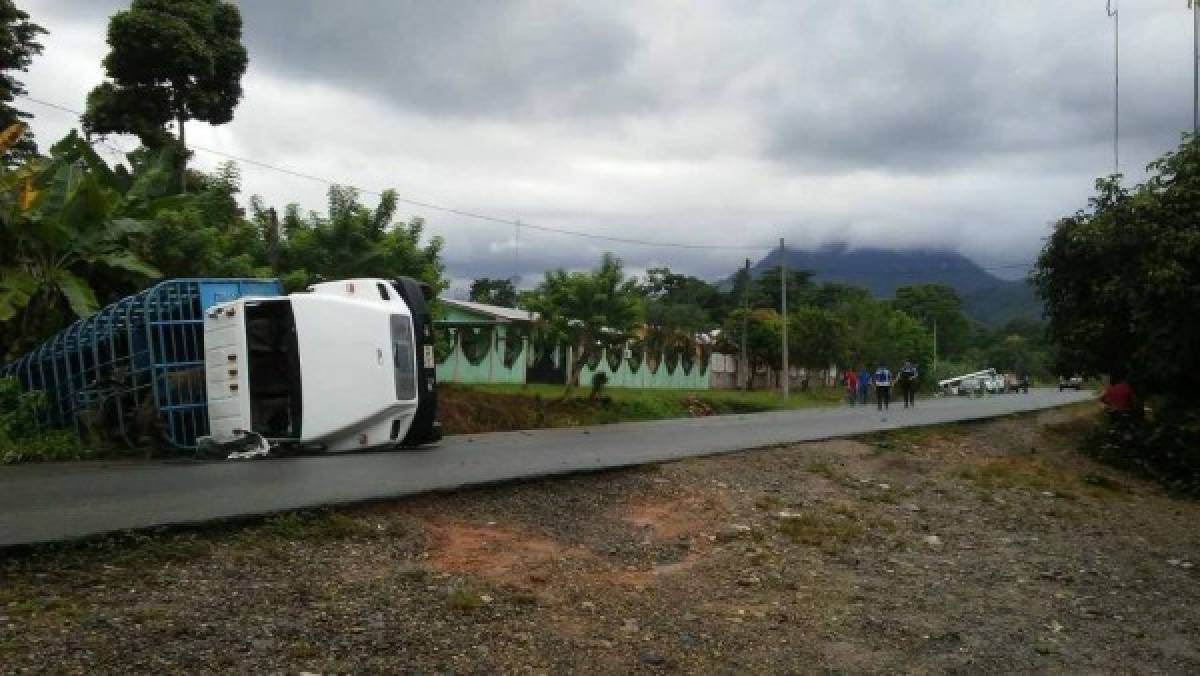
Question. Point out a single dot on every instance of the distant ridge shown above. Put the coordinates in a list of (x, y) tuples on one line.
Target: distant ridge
[(987, 299)]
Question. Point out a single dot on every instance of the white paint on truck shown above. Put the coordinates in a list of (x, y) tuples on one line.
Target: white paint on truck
[(333, 368)]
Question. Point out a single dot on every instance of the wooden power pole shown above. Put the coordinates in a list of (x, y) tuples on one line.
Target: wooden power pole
[(786, 376)]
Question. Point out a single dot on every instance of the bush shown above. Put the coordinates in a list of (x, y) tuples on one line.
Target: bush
[(22, 439), (599, 380), (1164, 446)]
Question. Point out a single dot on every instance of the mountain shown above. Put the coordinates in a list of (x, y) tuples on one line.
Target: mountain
[(986, 298)]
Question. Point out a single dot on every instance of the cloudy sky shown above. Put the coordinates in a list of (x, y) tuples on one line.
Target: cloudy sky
[(968, 125)]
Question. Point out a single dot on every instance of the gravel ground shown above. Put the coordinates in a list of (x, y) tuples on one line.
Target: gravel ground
[(983, 547)]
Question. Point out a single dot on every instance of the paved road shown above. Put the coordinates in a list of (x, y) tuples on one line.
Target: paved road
[(42, 503)]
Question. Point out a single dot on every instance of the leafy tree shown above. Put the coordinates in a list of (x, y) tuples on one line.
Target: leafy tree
[(764, 336), (65, 220), (356, 241), (170, 61), (832, 295), (494, 292), (18, 46), (768, 292), (1120, 280), (937, 305), (879, 334), (1016, 354), (589, 310), (205, 233), (816, 338), (677, 308), (673, 327), (670, 288)]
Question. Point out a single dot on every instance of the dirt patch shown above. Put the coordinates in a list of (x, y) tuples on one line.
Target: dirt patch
[(983, 547), (500, 556), (669, 519)]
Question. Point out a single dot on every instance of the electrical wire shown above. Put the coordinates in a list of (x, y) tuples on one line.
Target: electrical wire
[(444, 209), (515, 223)]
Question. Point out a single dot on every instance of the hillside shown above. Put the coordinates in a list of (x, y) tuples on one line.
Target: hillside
[(987, 299)]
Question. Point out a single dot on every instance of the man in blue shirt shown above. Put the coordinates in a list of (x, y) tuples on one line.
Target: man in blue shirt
[(864, 385), (883, 386)]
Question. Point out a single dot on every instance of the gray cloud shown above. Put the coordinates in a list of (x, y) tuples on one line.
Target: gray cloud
[(911, 123), (503, 58)]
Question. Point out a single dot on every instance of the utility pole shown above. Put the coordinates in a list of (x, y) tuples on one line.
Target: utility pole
[(516, 275), (1195, 67), (934, 372), (783, 290), (744, 368), (1114, 13)]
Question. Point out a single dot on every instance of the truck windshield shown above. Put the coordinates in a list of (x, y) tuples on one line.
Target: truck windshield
[(404, 358)]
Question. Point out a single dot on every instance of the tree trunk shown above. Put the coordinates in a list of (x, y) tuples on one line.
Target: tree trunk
[(182, 154), (579, 359), (272, 237)]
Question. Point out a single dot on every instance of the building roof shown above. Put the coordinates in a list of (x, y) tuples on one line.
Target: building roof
[(507, 314)]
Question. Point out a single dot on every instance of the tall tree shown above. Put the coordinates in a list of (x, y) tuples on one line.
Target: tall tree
[(937, 305), (170, 61), (494, 292), (18, 46), (357, 241), (816, 338), (768, 292), (764, 329), (672, 288), (1120, 280), (588, 309)]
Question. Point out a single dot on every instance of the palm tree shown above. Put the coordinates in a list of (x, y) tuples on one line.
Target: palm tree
[(587, 309), (62, 219)]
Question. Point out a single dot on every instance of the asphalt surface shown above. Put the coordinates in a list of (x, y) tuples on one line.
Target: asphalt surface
[(52, 502)]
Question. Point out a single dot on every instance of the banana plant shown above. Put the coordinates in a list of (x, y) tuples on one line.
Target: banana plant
[(60, 218)]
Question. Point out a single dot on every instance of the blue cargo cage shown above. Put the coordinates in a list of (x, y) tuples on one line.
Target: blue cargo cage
[(135, 369)]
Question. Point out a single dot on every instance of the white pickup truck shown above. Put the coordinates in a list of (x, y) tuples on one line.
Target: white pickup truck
[(985, 381)]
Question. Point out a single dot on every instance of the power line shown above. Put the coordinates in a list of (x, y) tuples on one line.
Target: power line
[(517, 224), (449, 210)]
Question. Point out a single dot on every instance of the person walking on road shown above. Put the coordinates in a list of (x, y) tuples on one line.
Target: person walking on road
[(864, 385), (907, 382), (851, 386), (883, 387)]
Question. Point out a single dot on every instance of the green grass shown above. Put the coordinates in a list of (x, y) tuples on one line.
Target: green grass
[(827, 532), (467, 409), (722, 401)]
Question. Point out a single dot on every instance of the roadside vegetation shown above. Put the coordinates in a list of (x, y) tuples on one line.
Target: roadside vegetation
[(1120, 280), (470, 409)]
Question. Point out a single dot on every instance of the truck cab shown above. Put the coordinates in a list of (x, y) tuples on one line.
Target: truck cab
[(347, 365)]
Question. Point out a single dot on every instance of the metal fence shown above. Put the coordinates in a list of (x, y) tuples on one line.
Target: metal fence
[(134, 371)]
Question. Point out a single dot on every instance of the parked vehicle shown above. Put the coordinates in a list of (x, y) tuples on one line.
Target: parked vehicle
[(1016, 383), (1075, 382), (986, 381)]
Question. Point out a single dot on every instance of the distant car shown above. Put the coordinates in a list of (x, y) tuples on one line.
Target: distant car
[(1074, 382), (1016, 383)]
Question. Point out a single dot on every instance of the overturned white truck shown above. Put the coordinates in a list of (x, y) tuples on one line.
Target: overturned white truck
[(348, 365)]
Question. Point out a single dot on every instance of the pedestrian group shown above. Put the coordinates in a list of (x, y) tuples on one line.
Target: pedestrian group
[(858, 385)]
